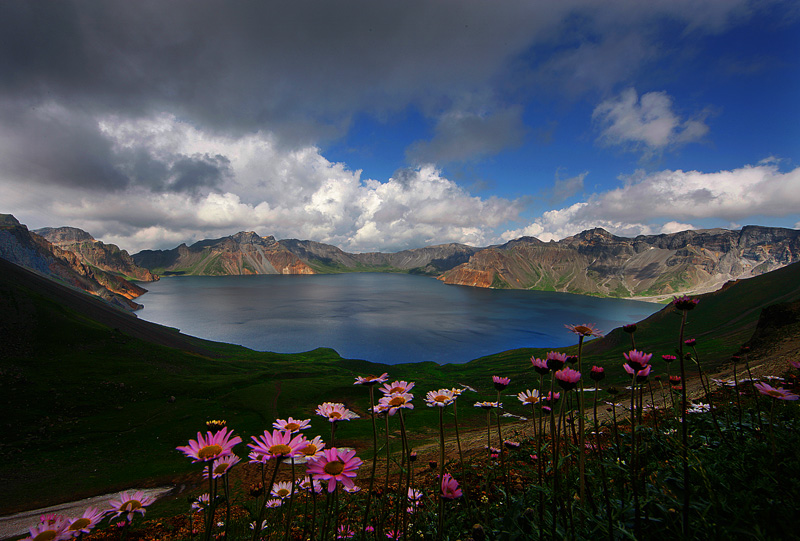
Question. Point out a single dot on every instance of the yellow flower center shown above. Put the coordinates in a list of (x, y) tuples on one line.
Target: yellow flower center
[(397, 389), (334, 467), (397, 401), (131, 505), (209, 451), (79, 524), (280, 450), (440, 398), (292, 427), (531, 399), (283, 492), (309, 449), (335, 415), (221, 468), (47, 535)]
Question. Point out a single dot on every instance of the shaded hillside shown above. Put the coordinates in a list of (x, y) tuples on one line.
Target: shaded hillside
[(32, 251), (430, 260), (596, 262), (25, 324), (106, 257), (242, 253)]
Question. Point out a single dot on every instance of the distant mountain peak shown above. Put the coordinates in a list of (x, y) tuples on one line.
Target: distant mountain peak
[(58, 235)]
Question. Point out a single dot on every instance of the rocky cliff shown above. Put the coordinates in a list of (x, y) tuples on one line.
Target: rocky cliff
[(242, 253), (107, 257), (596, 262), (34, 252)]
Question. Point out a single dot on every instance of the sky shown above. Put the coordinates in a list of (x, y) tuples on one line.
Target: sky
[(387, 125)]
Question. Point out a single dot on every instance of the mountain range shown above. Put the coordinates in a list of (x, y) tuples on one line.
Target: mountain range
[(73, 257), (593, 262)]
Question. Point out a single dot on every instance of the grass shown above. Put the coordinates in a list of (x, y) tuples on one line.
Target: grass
[(78, 391)]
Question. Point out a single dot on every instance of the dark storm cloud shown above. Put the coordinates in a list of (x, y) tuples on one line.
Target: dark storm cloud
[(175, 173), (46, 144), (238, 66)]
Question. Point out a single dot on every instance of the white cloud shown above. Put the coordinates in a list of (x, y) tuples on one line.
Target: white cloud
[(646, 123), (271, 190), (654, 203), (675, 227)]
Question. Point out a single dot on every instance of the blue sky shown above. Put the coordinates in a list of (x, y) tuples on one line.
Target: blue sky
[(392, 125)]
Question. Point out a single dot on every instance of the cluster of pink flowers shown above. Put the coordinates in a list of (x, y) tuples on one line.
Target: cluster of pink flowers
[(396, 396), (335, 412), (57, 527)]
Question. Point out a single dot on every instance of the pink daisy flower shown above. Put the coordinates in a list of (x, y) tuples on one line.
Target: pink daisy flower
[(397, 387), (780, 393), (313, 448), (597, 373), (551, 396), (637, 359), (277, 445), (291, 425), (555, 360), (335, 465), (488, 405), (567, 378), (221, 466), (684, 302), (540, 365), (344, 532), (273, 503), (371, 380), (50, 528), (335, 412), (310, 483), (281, 489), (450, 488), (500, 382), (201, 502), (128, 504), (529, 397), (587, 329), (440, 398), (397, 401), (88, 520), (211, 446), (795, 364)]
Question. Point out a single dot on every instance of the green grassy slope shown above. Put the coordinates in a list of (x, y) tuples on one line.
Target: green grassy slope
[(96, 400)]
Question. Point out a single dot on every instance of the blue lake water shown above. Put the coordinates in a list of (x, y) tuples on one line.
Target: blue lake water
[(387, 318)]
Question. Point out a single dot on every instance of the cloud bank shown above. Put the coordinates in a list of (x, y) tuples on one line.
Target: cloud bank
[(649, 203)]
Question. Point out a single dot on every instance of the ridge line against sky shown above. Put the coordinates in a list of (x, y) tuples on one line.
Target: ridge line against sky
[(382, 126)]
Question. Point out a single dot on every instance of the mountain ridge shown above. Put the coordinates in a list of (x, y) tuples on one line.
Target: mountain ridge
[(27, 249), (595, 262)]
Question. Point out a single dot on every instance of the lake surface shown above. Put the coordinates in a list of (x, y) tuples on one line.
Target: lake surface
[(387, 318)]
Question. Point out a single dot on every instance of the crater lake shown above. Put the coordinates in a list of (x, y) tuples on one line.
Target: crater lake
[(385, 318)]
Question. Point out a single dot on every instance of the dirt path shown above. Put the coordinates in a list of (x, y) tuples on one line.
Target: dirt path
[(19, 523)]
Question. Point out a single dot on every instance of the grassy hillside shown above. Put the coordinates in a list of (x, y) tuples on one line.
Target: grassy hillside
[(96, 400)]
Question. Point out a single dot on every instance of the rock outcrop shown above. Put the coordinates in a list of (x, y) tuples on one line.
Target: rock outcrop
[(239, 254), (107, 257), (34, 252), (595, 262)]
